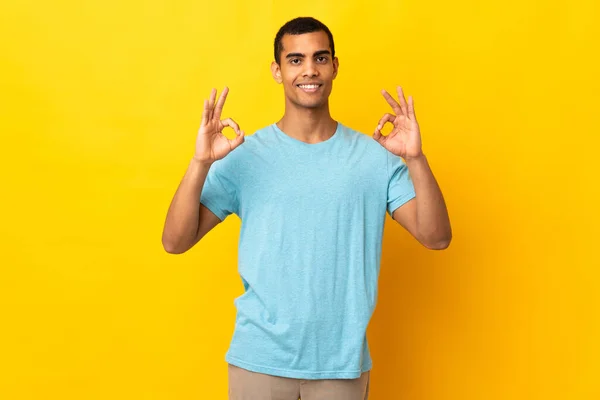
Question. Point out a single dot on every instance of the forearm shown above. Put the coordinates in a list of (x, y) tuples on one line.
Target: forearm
[(181, 225), (433, 223)]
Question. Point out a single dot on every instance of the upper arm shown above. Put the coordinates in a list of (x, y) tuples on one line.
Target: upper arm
[(400, 188), (218, 198), (206, 222), (406, 215)]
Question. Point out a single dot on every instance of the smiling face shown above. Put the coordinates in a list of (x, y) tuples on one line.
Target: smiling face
[(306, 69)]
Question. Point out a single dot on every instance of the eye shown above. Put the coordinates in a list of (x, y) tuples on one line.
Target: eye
[(295, 61), (322, 59)]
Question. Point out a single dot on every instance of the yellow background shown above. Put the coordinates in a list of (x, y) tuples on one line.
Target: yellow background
[(100, 104)]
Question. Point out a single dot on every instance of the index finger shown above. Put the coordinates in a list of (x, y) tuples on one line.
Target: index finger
[(392, 102), (221, 103)]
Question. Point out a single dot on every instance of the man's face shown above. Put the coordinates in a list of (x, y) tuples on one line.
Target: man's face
[(306, 69)]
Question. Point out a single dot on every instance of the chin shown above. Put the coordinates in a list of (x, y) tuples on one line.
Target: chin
[(312, 104)]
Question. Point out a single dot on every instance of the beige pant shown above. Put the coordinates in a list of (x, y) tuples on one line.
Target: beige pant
[(248, 385)]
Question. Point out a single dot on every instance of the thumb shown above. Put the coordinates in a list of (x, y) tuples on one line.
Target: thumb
[(378, 136)]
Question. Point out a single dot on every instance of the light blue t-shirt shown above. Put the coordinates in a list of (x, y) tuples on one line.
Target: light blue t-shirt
[(309, 248)]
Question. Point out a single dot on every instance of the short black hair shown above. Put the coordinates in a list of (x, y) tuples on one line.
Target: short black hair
[(298, 26)]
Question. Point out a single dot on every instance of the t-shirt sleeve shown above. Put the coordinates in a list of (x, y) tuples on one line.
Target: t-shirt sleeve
[(220, 191), (400, 185)]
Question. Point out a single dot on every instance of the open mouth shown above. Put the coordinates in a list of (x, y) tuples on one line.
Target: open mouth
[(310, 88)]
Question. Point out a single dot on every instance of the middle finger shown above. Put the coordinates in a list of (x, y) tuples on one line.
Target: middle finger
[(402, 100)]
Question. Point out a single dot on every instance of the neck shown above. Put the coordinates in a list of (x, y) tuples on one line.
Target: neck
[(310, 125)]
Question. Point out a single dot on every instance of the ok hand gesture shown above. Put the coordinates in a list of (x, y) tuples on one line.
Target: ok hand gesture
[(211, 144), (405, 138)]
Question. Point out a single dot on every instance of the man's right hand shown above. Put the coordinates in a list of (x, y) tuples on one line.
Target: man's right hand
[(211, 144)]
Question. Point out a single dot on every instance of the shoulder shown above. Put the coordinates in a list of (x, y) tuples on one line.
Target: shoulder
[(371, 149), (365, 141), (252, 143), (257, 141)]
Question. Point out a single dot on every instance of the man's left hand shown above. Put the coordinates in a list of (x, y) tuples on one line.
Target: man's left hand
[(405, 138)]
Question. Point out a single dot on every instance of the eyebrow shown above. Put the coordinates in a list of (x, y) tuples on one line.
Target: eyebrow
[(300, 55)]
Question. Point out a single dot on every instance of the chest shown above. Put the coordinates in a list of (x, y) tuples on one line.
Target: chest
[(315, 184)]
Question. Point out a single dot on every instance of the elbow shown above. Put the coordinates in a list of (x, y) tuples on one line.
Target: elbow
[(172, 249), (438, 243), (172, 246)]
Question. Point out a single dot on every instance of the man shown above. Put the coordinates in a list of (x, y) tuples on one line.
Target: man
[(312, 196)]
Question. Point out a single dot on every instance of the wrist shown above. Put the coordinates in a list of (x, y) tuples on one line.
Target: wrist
[(201, 161), (415, 159)]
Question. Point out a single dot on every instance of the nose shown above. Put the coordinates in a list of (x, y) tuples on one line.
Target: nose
[(310, 68)]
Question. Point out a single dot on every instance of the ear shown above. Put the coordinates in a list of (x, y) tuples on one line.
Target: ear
[(336, 65), (276, 72)]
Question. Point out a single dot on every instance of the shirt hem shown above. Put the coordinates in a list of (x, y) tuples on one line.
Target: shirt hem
[(401, 201), (297, 374), (214, 209)]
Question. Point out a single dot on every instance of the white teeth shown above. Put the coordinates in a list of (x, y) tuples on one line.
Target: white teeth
[(308, 86)]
